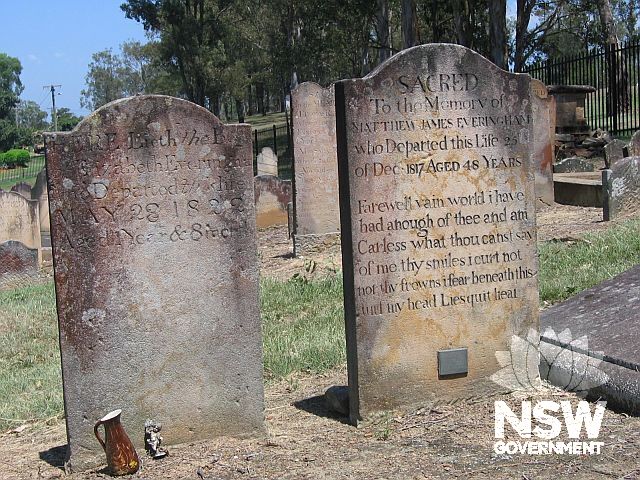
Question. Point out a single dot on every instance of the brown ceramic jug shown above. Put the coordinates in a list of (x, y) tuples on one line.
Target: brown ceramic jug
[(122, 458)]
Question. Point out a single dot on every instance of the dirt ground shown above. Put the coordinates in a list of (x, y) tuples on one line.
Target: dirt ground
[(306, 441)]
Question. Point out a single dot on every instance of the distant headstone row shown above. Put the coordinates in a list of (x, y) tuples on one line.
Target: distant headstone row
[(153, 225)]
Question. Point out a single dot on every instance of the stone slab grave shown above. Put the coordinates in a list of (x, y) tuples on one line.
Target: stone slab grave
[(622, 189), (614, 151), (573, 165), (589, 343), (272, 196), (316, 206), (267, 162), (154, 242), (19, 220), (544, 131), (438, 226)]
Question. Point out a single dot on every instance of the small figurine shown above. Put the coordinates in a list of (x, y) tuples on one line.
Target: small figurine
[(153, 439)]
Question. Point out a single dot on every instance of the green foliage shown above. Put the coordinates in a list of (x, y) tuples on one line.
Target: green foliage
[(15, 158), (67, 120), (10, 89)]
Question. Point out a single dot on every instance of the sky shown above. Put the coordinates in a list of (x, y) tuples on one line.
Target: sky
[(54, 41)]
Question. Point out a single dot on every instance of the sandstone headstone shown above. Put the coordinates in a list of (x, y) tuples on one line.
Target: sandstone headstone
[(613, 151), (623, 189), (316, 207), (572, 165), (544, 126), (267, 162), (153, 230), (633, 149), (19, 220), (17, 258), (272, 197), (39, 192), (438, 241), (23, 189)]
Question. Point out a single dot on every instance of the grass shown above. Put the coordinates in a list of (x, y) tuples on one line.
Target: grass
[(30, 377), (302, 321), (261, 122), (568, 269)]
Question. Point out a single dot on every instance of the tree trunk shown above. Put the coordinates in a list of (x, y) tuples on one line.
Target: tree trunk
[(249, 101), (383, 31), (227, 115), (260, 98), (240, 110), (619, 94), (216, 105), (410, 35), (462, 20), (523, 16), (498, 32)]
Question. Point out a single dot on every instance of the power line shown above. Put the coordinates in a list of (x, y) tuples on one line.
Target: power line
[(53, 105)]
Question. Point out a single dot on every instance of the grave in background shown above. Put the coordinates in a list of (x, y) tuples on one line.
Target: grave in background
[(315, 185), (19, 220), (544, 133), (267, 162), (153, 229), (272, 197), (438, 226)]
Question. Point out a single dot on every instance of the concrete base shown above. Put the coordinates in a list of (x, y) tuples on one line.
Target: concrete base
[(579, 189)]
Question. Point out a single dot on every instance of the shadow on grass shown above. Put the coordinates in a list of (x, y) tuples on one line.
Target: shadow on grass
[(55, 456), (318, 406)]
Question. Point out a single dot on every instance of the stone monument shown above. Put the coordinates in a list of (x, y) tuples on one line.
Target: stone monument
[(544, 132), (154, 243), (20, 220), (267, 162), (438, 226), (316, 208)]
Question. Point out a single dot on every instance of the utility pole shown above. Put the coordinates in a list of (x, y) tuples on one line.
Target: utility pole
[(53, 105)]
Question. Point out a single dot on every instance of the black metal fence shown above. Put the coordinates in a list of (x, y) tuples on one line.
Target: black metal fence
[(614, 72), (278, 138), (19, 174)]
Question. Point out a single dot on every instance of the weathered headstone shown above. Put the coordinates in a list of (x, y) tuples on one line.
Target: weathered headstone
[(17, 259), (438, 213), (613, 151), (623, 189), (267, 162), (272, 196), (23, 189), (316, 207), (39, 193), (19, 220), (633, 149), (544, 127), (153, 229), (573, 165)]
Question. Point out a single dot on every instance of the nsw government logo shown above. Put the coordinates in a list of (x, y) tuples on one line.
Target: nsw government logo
[(565, 361)]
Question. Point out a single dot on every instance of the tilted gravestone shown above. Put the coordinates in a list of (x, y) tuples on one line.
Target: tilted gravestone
[(39, 193), (19, 220), (267, 162), (316, 208), (544, 131), (438, 227), (623, 187), (153, 230), (633, 149), (573, 165), (613, 151)]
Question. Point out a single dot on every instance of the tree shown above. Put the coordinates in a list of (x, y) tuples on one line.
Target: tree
[(105, 82), (498, 33), (10, 89), (67, 120), (30, 116)]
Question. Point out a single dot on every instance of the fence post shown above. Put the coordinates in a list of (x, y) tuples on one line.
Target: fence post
[(275, 144), (255, 141)]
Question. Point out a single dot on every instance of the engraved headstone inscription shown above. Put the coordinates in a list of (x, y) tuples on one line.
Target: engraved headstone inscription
[(154, 242), (438, 226), (316, 207)]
